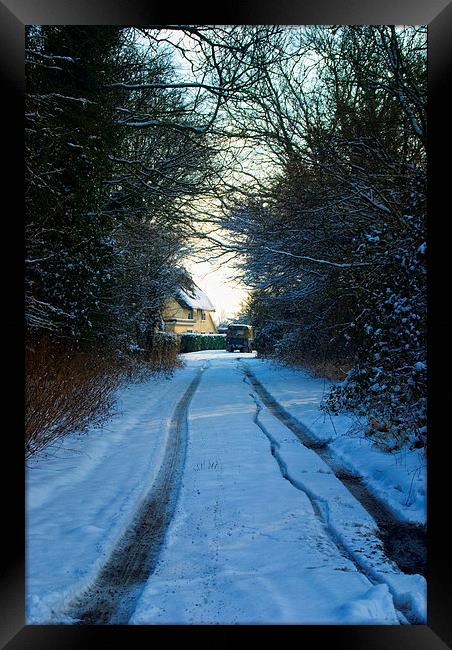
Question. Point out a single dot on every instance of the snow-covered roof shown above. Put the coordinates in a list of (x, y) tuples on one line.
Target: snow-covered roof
[(195, 298)]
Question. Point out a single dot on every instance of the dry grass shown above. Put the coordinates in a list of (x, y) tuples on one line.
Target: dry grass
[(66, 390), (162, 358), (333, 370), (69, 390)]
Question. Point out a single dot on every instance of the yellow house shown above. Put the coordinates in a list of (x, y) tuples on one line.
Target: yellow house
[(189, 311)]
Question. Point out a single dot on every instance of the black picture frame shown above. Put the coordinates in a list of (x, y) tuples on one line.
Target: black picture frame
[(437, 14)]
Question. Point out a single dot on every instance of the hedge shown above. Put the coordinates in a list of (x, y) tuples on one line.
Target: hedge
[(165, 340), (192, 342)]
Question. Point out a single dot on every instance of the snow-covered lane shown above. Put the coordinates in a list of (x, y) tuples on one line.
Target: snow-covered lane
[(245, 546)]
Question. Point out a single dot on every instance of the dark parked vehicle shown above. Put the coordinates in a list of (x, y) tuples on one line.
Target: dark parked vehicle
[(239, 337)]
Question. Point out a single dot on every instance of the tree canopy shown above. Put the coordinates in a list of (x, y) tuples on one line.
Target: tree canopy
[(295, 153)]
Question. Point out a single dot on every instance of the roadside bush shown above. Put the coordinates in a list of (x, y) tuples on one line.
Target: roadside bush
[(163, 351), (264, 342), (196, 342), (66, 390)]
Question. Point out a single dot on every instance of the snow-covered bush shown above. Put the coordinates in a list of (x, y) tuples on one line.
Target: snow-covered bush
[(265, 341), (388, 382), (160, 353)]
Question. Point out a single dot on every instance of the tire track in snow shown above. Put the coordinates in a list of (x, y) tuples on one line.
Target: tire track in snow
[(321, 508), (404, 543), (319, 505), (113, 596)]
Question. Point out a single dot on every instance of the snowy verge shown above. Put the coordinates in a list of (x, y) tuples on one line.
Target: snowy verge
[(82, 494), (397, 479), (345, 518)]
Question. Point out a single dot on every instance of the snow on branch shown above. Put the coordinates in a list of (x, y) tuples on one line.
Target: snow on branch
[(158, 86), (52, 57), (82, 100), (339, 265), (178, 126)]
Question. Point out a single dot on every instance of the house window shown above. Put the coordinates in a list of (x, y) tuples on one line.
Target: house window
[(190, 314), (203, 315), (189, 331)]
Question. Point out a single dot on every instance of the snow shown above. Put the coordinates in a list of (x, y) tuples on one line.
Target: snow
[(245, 545), (196, 298), (203, 334), (372, 605), (82, 494), (399, 479), (346, 519)]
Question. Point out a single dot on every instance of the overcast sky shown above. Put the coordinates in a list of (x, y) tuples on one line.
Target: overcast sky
[(214, 279), (225, 294)]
